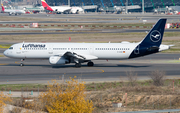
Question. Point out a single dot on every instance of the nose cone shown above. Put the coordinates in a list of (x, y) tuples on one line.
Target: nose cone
[(6, 53)]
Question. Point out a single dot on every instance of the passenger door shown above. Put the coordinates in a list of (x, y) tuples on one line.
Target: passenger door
[(50, 49)]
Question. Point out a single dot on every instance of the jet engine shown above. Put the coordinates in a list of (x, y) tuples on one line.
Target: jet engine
[(57, 60)]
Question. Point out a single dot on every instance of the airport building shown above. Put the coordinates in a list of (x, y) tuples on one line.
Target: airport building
[(149, 5), (112, 5)]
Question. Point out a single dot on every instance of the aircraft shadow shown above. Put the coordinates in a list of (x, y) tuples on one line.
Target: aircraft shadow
[(98, 65), (123, 65), (73, 66)]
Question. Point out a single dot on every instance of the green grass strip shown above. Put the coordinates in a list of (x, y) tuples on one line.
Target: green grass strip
[(5, 46)]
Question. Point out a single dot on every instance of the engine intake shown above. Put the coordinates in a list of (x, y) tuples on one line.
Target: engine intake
[(57, 60)]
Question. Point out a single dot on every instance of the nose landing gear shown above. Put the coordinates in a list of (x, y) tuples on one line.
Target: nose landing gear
[(22, 63)]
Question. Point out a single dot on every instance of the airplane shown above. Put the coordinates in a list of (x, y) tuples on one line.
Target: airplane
[(62, 9), (12, 11), (76, 10), (57, 9), (65, 53)]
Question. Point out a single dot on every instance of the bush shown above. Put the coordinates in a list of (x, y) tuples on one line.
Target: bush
[(158, 77), (3, 100), (69, 98), (132, 77)]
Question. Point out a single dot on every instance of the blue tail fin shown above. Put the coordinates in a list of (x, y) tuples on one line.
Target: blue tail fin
[(154, 37), (150, 44)]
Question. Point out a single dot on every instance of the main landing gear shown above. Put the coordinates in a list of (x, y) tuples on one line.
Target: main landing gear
[(22, 63), (78, 65), (90, 64)]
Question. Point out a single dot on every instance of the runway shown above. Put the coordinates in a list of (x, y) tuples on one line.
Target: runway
[(76, 31), (40, 71), (93, 17)]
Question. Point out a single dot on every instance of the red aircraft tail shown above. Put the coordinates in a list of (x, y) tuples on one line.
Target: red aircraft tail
[(46, 6), (2, 7)]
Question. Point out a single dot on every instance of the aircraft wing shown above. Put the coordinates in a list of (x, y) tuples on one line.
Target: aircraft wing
[(79, 56)]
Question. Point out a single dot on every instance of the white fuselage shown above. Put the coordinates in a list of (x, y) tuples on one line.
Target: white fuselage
[(60, 8), (76, 10), (14, 11), (98, 50)]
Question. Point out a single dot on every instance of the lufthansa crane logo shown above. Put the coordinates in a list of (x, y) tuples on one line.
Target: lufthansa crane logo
[(155, 36)]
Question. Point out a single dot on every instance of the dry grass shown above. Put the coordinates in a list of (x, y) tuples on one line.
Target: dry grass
[(138, 98), (141, 96), (94, 38), (158, 77)]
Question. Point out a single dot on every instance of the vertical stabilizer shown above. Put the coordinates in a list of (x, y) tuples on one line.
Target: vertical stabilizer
[(151, 43), (46, 6), (2, 7), (154, 37)]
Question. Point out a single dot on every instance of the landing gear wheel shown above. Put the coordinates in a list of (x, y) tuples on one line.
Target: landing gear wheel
[(78, 65), (90, 64), (21, 64)]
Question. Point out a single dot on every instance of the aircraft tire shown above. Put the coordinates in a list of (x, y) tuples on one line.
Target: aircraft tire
[(90, 64), (21, 64), (78, 65)]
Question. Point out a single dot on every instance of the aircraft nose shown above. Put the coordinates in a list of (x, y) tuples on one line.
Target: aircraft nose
[(5, 53)]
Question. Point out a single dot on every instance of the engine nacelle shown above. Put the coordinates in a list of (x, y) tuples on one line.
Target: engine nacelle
[(57, 60)]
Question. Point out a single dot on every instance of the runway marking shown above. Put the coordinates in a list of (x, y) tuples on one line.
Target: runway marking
[(16, 62), (100, 70), (3, 64)]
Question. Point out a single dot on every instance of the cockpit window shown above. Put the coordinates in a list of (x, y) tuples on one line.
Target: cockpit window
[(11, 48)]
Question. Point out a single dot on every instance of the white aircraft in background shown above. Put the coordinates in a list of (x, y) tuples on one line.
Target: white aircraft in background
[(76, 10), (62, 9), (64, 53), (12, 11), (57, 9)]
